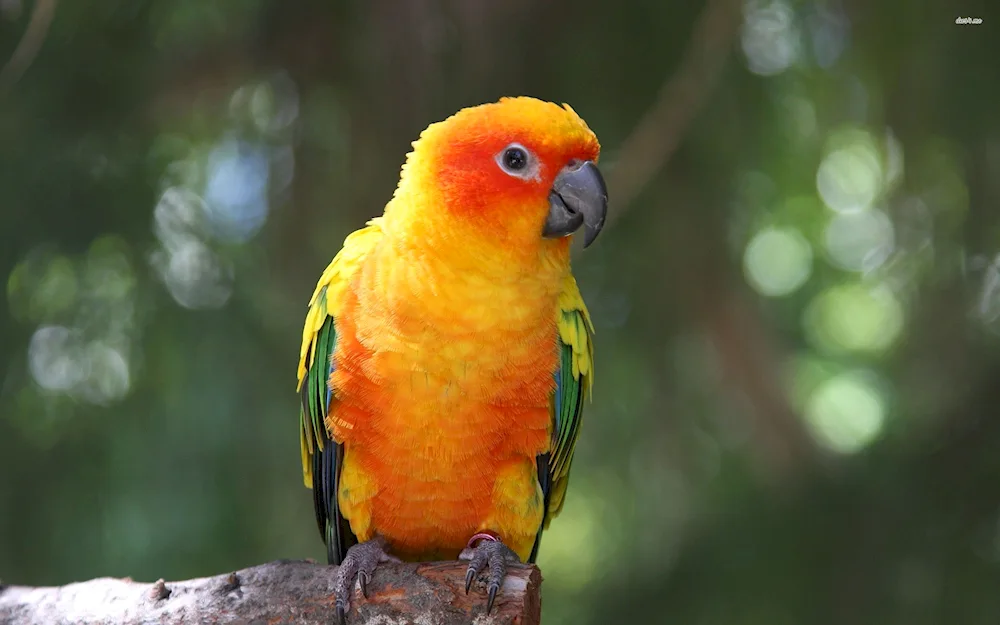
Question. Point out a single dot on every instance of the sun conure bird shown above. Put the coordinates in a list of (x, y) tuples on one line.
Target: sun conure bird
[(447, 350)]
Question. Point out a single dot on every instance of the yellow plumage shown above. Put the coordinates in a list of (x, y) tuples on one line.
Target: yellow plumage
[(462, 350)]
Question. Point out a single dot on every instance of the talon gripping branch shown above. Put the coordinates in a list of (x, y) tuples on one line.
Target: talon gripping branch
[(447, 350)]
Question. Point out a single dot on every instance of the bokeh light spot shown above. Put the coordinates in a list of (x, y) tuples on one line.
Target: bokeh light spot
[(854, 318), (849, 178), (859, 241), (178, 217), (107, 371), (42, 288), (770, 38), (830, 31), (846, 413), (236, 201), (51, 358), (195, 276), (777, 261)]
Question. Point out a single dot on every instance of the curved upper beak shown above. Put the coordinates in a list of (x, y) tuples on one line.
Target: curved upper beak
[(578, 198)]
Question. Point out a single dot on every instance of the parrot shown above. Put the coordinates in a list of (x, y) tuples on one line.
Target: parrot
[(447, 350)]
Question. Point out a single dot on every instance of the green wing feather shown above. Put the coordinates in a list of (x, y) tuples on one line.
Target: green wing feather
[(321, 456), (574, 378)]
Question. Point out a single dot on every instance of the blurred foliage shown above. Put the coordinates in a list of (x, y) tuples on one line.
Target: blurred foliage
[(794, 417)]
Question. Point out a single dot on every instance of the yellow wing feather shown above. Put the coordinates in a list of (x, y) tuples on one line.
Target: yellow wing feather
[(323, 306), (575, 333), (577, 330)]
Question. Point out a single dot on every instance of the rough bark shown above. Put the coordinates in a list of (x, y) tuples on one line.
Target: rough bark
[(281, 592)]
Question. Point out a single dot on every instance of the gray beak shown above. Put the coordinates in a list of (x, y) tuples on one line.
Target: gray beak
[(578, 198)]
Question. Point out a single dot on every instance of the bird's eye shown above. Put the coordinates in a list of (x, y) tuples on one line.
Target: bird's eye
[(515, 159)]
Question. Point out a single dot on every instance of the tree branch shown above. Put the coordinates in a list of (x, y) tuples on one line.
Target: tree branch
[(653, 140), (281, 592), (27, 49)]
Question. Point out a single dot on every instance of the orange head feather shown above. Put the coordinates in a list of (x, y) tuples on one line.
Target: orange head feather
[(461, 184)]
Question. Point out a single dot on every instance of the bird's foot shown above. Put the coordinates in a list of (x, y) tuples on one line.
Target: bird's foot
[(485, 551), (359, 563)]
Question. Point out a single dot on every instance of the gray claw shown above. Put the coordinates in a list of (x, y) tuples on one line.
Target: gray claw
[(359, 563), (492, 555), (492, 595)]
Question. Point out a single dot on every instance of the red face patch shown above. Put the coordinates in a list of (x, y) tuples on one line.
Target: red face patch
[(480, 153)]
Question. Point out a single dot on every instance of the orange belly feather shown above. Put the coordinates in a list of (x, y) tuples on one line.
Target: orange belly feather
[(442, 406)]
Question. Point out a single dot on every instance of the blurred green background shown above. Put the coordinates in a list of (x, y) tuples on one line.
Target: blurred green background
[(798, 368)]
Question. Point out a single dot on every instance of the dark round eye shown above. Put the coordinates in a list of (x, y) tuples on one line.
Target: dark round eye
[(515, 159)]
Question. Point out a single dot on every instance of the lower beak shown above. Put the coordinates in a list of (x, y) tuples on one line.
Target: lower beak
[(578, 198)]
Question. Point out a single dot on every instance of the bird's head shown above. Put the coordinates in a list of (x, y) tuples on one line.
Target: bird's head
[(519, 173)]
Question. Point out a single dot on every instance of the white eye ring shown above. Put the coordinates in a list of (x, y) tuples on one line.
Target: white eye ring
[(518, 161)]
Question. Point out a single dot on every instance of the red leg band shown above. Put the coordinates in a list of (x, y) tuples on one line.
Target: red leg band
[(483, 535)]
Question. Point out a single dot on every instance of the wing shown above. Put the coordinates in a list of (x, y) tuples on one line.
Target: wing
[(321, 456), (574, 377)]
